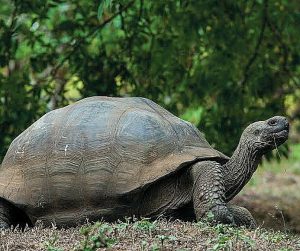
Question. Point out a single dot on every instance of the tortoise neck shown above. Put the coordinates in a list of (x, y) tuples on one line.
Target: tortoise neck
[(240, 168)]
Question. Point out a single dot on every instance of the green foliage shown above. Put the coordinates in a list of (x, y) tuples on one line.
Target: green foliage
[(170, 235), (296, 152), (50, 244), (164, 238), (291, 164), (228, 237), (145, 225), (101, 239), (219, 64), (98, 235), (104, 4)]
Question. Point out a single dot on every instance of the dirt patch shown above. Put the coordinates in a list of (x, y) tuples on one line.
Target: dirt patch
[(274, 212), (274, 201)]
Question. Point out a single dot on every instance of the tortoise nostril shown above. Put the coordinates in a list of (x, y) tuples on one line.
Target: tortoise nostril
[(286, 124)]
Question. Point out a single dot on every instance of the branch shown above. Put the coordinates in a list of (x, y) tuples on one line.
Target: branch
[(285, 50), (129, 38), (258, 44), (11, 30), (277, 34), (91, 33)]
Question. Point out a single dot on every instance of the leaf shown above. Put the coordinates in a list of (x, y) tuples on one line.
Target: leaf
[(104, 4)]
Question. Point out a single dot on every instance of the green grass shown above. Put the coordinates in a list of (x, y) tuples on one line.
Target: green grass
[(282, 166), (148, 235), (291, 164), (165, 235)]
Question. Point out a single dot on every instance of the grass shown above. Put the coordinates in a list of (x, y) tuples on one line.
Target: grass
[(284, 167), (148, 235), (291, 164)]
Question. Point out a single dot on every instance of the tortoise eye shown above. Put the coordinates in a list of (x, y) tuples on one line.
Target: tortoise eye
[(272, 122), (256, 132)]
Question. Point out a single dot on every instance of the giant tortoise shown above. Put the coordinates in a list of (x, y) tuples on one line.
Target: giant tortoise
[(108, 158)]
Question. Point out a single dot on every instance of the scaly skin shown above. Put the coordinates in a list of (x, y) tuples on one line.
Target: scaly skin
[(203, 188), (257, 139), (242, 217)]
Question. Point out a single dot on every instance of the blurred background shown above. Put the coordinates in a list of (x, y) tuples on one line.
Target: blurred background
[(219, 64)]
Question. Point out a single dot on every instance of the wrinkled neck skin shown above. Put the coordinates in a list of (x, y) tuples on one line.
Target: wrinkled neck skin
[(240, 168)]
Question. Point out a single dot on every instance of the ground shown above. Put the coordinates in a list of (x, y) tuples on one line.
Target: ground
[(146, 235)]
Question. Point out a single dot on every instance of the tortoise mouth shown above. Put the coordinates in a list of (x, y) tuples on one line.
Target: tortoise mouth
[(281, 136), (277, 137)]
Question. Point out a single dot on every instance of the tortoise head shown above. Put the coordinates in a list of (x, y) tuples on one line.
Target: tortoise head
[(268, 134)]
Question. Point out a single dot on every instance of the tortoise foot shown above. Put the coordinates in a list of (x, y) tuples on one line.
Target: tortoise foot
[(221, 214)]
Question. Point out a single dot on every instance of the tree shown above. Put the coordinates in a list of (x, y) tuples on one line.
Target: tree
[(220, 64)]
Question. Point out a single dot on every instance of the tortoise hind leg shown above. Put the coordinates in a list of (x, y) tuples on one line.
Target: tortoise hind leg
[(4, 215), (10, 215), (242, 216)]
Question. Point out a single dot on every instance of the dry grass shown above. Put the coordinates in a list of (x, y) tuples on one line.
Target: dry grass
[(275, 203), (146, 235)]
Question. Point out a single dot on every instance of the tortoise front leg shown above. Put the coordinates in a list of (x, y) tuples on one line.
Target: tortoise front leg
[(242, 216), (209, 192)]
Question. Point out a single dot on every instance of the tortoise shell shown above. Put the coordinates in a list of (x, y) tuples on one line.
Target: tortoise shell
[(96, 149)]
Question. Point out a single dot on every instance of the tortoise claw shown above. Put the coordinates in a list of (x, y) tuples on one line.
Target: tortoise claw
[(222, 215)]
